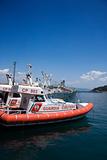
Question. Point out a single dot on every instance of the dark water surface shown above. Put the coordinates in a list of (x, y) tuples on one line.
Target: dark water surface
[(82, 139)]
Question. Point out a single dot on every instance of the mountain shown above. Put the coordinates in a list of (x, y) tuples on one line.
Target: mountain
[(100, 89)]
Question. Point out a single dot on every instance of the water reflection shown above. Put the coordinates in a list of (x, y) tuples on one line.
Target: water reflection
[(42, 136)]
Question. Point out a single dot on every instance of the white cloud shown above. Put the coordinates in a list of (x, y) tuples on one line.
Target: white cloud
[(20, 76), (94, 75), (4, 71), (21, 73), (104, 79), (75, 82)]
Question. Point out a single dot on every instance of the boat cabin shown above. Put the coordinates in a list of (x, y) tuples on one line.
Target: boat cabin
[(4, 92), (29, 95), (7, 97)]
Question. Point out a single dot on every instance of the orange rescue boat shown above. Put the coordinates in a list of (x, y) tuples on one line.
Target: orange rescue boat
[(35, 108)]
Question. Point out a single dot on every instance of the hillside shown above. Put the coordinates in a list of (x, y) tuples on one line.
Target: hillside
[(100, 89)]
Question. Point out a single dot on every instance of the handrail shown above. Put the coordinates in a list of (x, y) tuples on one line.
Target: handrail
[(2, 103), (13, 111)]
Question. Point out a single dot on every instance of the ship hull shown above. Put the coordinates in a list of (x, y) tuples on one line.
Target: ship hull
[(43, 118)]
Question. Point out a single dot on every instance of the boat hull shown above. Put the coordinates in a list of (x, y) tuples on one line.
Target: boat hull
[(43, 118)]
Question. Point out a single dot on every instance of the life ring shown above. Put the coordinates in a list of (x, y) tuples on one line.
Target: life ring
[(35, 108)]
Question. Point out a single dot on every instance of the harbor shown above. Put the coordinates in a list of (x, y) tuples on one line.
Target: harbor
[(86, 136), (53, 80)]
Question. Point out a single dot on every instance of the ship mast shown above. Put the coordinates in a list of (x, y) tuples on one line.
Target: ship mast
[(14, 72), (29, 75)]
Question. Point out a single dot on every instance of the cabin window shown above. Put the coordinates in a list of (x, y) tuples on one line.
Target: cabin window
[(1, 95), (5, 97), (16, 95), (39, 98)]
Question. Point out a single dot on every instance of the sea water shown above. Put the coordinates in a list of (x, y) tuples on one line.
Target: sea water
[(81, 139)]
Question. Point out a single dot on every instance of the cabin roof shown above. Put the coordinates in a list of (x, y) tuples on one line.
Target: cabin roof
[(27, 89), (5, 87)]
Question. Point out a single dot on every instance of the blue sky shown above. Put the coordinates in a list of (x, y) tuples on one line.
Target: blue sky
[(67, 38)]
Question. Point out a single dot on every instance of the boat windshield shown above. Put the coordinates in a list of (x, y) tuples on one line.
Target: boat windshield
[(38, 98)]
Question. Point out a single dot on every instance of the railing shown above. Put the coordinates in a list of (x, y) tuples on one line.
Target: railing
[(13, 111), (2, 103)]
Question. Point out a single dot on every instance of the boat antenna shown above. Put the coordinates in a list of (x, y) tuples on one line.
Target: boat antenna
[(29, 75), (14, 71), (29, 69)]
